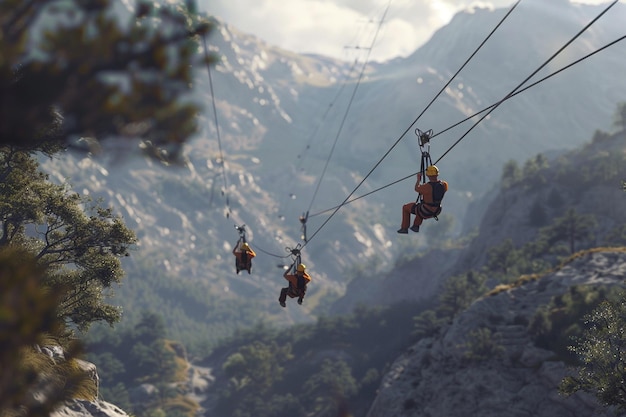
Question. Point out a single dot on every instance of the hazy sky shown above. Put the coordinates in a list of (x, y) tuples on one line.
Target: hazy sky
[(337, 28)]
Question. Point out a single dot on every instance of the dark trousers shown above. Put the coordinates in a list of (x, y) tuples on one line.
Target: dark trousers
[(287, 291), (239, 266)]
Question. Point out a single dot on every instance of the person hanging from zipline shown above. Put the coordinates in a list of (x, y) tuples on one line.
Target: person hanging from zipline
[(297, 284), (430, 193), (243, 256)]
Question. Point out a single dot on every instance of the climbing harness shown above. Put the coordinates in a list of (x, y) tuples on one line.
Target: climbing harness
[(423, 139)]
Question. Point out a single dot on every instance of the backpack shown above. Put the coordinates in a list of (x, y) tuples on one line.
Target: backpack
[(438, 191)]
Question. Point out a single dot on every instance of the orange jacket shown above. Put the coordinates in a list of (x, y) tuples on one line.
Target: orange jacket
[(238, 254), (293, 283), (426, 190)]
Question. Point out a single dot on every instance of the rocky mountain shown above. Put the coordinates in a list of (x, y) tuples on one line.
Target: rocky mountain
[(568, 181), (436, 378), (488, 360), (83, 408), (275, 140)]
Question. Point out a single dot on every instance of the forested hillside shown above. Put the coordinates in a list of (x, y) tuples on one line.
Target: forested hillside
[(335, 366), (538, 213), (275, 141), (109, 166)]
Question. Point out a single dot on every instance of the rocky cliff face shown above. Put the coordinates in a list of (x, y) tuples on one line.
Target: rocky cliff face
[(82, 408), (435, 379), (76, 407)]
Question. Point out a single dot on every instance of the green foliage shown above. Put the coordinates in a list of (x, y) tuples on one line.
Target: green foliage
[(502, 258), (569, 228), (482, 345), (136, 355), (257, 366), (327, 369), (554, 326), (77, 242), (620, 116), (180, 407), (617, 236), (427, 324), (506, 263), (95, 75), (601, 350), (459, 292), (330, 387), (511, 174), (202, 316), (29, 318), (600, 136), (534, 171), (73, 74), (555, 242)]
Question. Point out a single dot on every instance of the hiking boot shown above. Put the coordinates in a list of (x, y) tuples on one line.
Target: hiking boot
[(415, 228), (300, 301), (403, 231), (282, 303)]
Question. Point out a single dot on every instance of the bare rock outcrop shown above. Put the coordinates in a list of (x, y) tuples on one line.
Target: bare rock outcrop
[(435, 378)]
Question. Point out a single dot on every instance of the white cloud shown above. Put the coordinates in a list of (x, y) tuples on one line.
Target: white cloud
[(335, 27)]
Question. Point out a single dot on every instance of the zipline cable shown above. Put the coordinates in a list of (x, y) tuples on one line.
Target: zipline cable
[(532, 85), (217, 127), (327, 111), (206, 55), (323, 118), (476, 114), (268, 253), (345, 116), (413, 123), (495, 106)]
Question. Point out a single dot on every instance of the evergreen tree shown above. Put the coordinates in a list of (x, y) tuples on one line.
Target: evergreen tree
[(501, 258), (331, 388), (258, 366), (620, 116), (570, 228), (532, 170), (459, 292), (511, 174), (75, 73), (427, 324), (79, 72), (482, 345), (78, 243), (28, 317), (602, 352)]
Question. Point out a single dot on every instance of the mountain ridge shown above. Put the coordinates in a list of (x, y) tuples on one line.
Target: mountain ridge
[(269, 103)]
